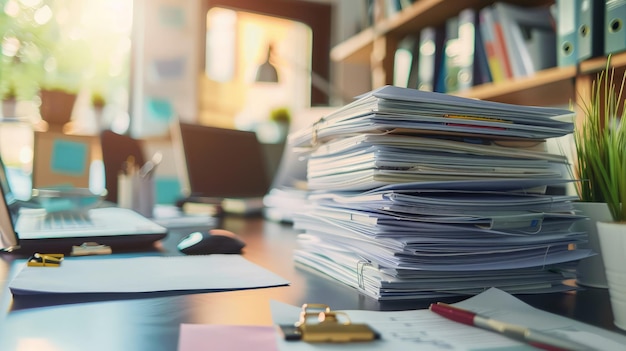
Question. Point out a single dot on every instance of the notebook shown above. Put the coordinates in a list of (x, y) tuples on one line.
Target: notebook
[(32, 229), (220, 163)]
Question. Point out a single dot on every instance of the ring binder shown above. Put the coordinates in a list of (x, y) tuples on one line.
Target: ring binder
[(329, 327)]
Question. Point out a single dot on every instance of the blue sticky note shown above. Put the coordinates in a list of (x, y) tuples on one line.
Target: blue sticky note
[(69, 157), (159, 109), (168, 190)]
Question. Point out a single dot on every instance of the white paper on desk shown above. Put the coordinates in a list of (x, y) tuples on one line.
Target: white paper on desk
[(425, 331), (144, 274)]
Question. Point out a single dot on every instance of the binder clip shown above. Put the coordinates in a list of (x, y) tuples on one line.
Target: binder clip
[(331, 326), (45, 260), (90, 248)]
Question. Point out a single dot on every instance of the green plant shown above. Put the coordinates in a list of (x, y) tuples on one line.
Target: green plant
[(75, 46), (8, 92), (600, 140), (97, 100), (280, 115)]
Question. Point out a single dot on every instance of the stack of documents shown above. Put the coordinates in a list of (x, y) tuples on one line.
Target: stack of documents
[(420, 194)]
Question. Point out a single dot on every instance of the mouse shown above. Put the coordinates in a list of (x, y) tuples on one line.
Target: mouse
[(214, 241)]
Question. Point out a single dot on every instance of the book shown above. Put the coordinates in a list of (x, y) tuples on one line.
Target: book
[(501, 46), (403, 61), (215, 206), (482, 72), (530, 37), (493, 50), (430, 53), (453, 56)]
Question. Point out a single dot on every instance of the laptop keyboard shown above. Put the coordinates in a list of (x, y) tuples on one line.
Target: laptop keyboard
[(66, 220)]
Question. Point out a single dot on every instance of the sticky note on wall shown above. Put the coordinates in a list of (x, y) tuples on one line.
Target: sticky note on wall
[(69, 157), (159, 109)]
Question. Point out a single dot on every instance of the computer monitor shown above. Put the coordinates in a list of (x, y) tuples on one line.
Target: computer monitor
[(220, 162)]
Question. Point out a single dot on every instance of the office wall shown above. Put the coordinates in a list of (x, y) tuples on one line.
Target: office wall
[(166, 44)]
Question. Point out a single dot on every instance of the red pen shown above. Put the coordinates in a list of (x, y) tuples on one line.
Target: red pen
[(532, 337)]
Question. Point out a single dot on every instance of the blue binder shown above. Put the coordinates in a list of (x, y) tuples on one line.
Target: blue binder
[(430, 60), (590, 28), (452, 56), (567, 38), (615, 33)]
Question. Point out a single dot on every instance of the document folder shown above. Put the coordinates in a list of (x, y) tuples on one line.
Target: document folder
[(590, 28), (451, 56), (430, 54), (614, 32), (567, 48)]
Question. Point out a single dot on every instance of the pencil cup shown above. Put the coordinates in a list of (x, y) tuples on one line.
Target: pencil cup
[(136, 193)]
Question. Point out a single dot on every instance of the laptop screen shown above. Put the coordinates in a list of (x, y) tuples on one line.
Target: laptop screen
[(8, 208)]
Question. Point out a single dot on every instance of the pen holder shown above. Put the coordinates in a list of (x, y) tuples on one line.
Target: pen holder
[(136, 192)]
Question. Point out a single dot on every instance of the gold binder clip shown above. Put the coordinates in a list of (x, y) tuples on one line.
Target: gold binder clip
[(45, 260), (330, 327)]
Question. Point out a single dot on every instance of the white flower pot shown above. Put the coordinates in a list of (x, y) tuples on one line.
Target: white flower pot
[(9, 107), (590, 271), (613, 245)]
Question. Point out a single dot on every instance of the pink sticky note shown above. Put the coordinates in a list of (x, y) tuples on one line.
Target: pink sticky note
[(202, 337)]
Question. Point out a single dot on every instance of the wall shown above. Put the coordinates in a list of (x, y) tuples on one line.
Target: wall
[(164, 64)]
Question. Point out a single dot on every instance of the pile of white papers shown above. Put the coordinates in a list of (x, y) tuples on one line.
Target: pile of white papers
[(419, 194)]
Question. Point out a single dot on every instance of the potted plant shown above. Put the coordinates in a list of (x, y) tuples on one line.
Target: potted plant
[(588, 139), (98, 102), (9, 101), (17, 83), (600, 140)]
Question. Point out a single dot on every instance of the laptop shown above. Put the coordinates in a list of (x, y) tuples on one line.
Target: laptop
[(220, 163), (28, 229)]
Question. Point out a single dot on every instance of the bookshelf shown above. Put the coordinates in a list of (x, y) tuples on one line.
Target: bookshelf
[(375, 46)]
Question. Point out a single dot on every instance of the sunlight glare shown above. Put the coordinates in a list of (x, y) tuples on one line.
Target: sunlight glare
[(12, 8), (10, 46), (43, 15), (31, 3)]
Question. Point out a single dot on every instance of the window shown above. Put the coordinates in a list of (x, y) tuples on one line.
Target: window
[(315, 17), (264, 68), (80, 46)]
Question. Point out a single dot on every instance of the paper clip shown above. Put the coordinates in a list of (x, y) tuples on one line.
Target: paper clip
[(45, 260), (331, 326)]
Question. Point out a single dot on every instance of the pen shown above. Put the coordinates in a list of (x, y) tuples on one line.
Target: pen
[(149, 167), (532, 337)]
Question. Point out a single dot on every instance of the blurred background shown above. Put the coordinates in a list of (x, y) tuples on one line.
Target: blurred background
[(133, 67)]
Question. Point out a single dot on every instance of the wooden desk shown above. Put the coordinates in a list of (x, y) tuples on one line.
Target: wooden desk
[(151, 321)]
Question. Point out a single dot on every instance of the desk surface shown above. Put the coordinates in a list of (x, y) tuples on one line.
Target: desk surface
[(151, 322)]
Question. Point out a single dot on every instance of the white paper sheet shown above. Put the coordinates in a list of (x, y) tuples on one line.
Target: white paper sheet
[(144, 274)]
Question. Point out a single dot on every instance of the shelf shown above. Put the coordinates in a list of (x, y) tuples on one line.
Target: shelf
[(422, 13), (557, 86), (599, 63), (355, 50), (550, 87)]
